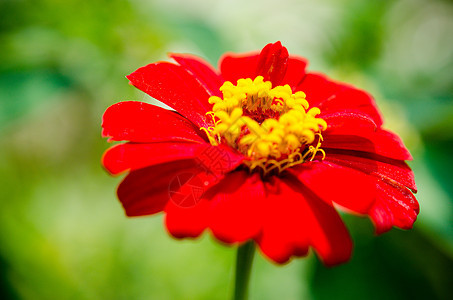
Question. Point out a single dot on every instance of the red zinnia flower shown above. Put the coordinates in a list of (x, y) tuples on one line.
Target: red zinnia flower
[(261, 150)]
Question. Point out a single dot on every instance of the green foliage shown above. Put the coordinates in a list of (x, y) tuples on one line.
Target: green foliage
[(63, 234)]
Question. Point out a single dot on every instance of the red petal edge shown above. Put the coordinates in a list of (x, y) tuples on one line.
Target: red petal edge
[(331, 96), (146, 191), (203, 72), (295, 71), (395, 206), (347, 187), (175, 86), (236, 66), (381, 142), (142, 122), (132, 156), (295, 219), (272, 63), (381, 167)]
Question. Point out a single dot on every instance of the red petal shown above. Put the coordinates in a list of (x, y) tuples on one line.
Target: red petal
[(272, 63), (328, 234), (218, 160), (235, 205), (348, 123), (146, 191), (228, 207), (131, 156), (352, 98), (295, 71), (297, 218), (330, 96), (286, 227), (347, 187), (204, 73), (380, 142), (142, 122), (176, 87), (395, 206), (384, 168), (186, 222), (382, 217), (318, 88), (390, 145), (236, 66)]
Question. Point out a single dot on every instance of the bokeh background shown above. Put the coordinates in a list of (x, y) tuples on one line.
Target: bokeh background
[(63, 234)]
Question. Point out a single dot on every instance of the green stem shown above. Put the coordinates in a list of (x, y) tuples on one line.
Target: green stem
[(244, 261)]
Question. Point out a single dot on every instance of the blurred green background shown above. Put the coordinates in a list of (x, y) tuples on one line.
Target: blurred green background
[(63, 234)]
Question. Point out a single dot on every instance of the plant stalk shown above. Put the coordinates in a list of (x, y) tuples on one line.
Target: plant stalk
[(244, 262)]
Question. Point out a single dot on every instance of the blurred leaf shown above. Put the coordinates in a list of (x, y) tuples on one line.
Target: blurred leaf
[(204, 37), (6, 291), (22, 92), (63, 233), (396, 265), (358, 41)]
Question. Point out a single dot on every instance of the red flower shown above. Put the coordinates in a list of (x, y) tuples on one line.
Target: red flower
[(269, 159)]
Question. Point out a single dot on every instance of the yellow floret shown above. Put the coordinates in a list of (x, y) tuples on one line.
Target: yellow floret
[(276, 143)]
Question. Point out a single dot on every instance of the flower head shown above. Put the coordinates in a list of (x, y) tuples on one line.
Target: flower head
[(260, 150)]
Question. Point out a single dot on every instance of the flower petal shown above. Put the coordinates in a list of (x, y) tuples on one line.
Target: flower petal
[(328, 235), (237, 66), (235, 204), (218, 160), (146, 191), (318, 88), (352, 98), (203, 72), (220, 201), (348, 123), (246, 65), (132, 156), (395, 206), (347, 187), (381, 142), (142, 122), (331, 96), (295, 71), (186, 222), (176, 87), (272, 63), (286, 228), (381, 167), (300, 219)]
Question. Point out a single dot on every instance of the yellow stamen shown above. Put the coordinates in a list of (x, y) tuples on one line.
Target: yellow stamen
[(272, 127)]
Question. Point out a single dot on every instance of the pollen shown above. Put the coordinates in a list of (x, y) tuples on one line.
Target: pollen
[(273, 127)]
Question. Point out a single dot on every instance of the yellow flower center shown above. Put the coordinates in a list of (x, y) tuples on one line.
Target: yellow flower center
[(272, 127)]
